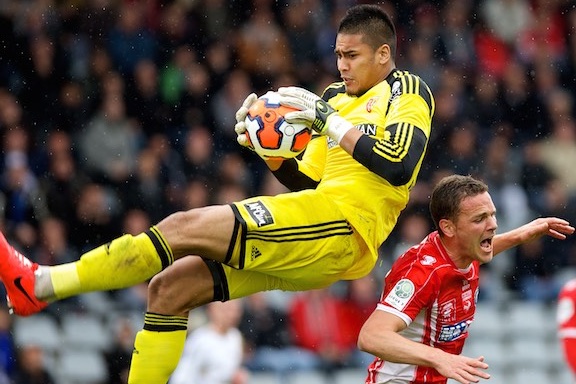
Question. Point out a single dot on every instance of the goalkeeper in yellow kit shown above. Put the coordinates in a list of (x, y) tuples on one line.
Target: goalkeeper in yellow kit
[(347, 193)]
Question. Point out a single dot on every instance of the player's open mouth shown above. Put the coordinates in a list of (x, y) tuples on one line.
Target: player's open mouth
[(486, 244)]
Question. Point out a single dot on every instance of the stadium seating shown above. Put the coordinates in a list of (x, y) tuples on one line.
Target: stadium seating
[(264, 378), (348, 376), (81, 367), (308, 377), (85, 331), (518, 341), (41, 330)]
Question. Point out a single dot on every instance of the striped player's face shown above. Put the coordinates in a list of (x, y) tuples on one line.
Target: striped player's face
[(360, 66), (475, 228)]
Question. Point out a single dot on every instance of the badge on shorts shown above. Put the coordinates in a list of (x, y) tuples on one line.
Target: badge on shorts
[(259, 213)]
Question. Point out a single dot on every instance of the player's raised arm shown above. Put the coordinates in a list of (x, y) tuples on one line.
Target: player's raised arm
[(551, 226)]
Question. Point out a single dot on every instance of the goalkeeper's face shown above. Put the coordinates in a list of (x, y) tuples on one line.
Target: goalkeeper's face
[(361, 67)]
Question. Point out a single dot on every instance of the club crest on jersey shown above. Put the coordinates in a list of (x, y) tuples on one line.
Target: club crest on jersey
[(370, 104), (400, 295), (396, 90), (259, 213)]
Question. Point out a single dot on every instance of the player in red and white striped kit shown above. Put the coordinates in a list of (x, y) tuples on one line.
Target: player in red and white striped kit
[(566, 315), (418, 329)]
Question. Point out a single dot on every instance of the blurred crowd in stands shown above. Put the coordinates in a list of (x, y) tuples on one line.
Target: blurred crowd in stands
[(114, 113)]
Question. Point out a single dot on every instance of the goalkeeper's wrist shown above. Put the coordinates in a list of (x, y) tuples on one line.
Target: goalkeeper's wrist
[(337, 126)]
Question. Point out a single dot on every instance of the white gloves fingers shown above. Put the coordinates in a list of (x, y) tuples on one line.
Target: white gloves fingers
[(294, 102), (243, 110), (301, 117), (240, 126), (300, 97), (314, 112), (241, 137)]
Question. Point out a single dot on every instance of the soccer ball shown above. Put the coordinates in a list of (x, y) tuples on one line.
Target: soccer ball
[(269, 134)]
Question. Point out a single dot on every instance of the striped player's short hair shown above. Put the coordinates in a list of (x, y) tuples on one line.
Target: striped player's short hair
[(449, 193)]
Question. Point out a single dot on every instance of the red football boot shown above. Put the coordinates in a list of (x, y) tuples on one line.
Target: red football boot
[(17, 274)]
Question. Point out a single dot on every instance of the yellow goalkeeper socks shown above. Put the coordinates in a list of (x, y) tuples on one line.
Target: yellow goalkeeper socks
[(124, 262), (157, 349)]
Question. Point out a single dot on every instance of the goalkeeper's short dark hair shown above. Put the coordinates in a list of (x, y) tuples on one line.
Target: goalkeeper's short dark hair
[(372, 22)]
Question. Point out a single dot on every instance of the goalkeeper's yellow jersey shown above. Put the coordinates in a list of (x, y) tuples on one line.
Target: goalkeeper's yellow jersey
[(394, 114)]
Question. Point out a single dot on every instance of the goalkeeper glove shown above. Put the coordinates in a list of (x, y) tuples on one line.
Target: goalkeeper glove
[(314, 112), (240, 126)]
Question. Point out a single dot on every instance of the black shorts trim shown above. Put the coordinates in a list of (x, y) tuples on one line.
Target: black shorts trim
[(221, 292), (239, 225)]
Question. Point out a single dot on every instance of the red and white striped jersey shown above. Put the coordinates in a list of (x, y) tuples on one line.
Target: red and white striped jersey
[(566, 316), (435, 299)]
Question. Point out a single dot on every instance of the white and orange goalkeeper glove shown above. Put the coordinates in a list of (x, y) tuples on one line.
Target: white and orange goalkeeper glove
[(313, 112)]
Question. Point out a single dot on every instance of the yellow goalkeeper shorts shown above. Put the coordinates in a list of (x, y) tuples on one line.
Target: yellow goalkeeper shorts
[(292, 242)]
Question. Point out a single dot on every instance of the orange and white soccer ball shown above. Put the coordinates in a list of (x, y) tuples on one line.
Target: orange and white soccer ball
[(269, 134)]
